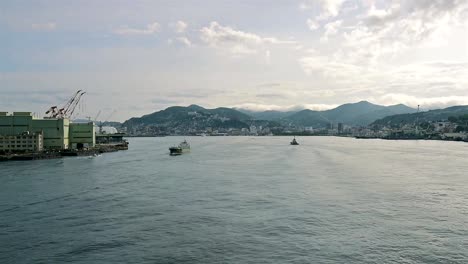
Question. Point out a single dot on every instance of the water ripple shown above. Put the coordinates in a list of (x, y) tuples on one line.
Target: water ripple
[(256, 200)]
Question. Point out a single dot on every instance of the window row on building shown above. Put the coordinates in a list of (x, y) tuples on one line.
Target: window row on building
[(25, 142)]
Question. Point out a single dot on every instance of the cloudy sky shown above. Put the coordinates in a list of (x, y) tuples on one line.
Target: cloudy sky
[(137, 57)]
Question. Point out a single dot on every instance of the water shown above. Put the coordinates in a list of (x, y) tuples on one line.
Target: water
[(241, 200)]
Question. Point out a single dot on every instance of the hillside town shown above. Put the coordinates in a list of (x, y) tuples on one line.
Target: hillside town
[(454, 128)]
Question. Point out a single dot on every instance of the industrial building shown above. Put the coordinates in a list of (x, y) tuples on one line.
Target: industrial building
[(82, 135), (56, 133), (26, 142)]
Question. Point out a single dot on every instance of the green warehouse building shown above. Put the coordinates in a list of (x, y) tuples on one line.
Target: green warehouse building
[(57, 133)]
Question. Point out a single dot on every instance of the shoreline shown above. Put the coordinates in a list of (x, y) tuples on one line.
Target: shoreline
[(302, 135), (61, 154)]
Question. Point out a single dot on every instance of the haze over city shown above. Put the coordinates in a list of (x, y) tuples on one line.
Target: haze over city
[(140, 57)]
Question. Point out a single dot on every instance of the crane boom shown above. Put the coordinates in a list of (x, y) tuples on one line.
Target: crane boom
[(63, 111), (55, 112), (67, 110), (97, 116), (73, 105), (52, 110), (69, 104)]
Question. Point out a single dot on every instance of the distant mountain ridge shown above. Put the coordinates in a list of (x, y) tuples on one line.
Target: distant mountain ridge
[(191, 116), (194, 116), (266, 115), (360, 113), (428, 116)]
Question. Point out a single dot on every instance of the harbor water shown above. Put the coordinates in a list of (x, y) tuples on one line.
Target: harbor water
[(241, 200)]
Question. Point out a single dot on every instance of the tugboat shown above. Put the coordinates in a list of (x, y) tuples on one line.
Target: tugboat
[(294, 142), (183, 147)]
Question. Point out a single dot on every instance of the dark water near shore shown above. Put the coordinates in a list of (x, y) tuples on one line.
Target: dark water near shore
[(241, 200)]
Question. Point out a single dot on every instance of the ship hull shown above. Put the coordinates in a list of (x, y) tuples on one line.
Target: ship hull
[(175, 151)]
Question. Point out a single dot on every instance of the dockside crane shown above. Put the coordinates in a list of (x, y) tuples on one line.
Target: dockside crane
[(96, 122), (97, 116), (71, 109), (52, 111), (67, 110), (64, 109)]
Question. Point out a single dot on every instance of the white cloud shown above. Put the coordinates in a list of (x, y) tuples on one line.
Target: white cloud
[(330, 68), (379, 52), (275, 107), (330, 8), (331, 29), (185, 41), (430, 84), (402, 25), (150, 29), (180, 26), (319, 107), (236, 41), (377, 35), (425, 103), (217, 35), (49, 26), (313, 25)]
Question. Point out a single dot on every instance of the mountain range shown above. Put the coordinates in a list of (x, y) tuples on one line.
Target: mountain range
[(356, 114), (266, 115), (360, 113), (428, 116), (194, 116)]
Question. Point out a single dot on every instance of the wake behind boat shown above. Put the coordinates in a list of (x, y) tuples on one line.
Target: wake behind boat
[(183, 147)]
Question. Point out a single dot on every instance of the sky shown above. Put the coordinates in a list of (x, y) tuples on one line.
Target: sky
[(137, 57)]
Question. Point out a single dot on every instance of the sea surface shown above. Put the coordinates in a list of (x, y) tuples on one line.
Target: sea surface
[(241, 200)]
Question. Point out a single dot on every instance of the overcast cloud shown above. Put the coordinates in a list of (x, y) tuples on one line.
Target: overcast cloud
[(137, 57)]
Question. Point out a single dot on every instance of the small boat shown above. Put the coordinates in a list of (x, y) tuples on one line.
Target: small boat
[(294, 142), (183, 147)]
